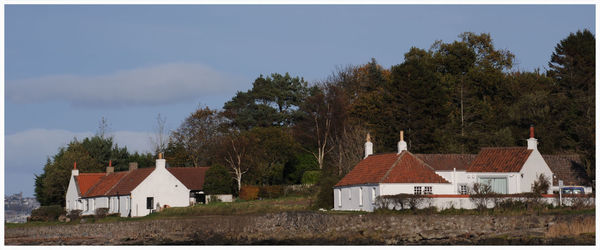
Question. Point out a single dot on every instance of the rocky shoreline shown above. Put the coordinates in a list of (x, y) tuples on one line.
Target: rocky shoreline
[(314, 228)]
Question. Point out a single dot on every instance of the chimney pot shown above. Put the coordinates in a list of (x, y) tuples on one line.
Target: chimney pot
[(368, 146), (75, 165), (402, 144), (531, 135)]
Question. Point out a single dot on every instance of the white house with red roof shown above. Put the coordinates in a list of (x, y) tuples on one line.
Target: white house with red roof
[(136, 192), (444, 176)]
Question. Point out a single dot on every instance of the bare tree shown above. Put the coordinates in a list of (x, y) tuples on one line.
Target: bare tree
[(159, 139), (198, 134), (236, 155), (348, 148)]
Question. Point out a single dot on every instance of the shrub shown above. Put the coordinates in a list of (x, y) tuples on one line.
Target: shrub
[(400, 201), (101, 212), (541, 185), (270, 191), (311, 177), (249, 193), (325, 195), (481, 195), (74, 214), (47, 213)]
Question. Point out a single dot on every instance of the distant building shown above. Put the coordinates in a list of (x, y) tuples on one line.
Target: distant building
[(136, 192), (449, 177)]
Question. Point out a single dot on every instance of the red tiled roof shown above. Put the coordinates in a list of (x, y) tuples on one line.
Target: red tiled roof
[(369, 170), (105, 184), (86, 180), (568, 168), (391, 168), (130, 181), (410, 169), (447, 162), (192, 178), (500, 160)]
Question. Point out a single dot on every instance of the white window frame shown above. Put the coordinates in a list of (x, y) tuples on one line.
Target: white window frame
[(428, 190), (463, 189), (339, 197), (360, 197), (349, 193), (418, 190), (373, 195)]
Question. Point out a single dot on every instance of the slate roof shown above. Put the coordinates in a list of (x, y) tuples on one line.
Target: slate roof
[(86, 180), (568, 168), (500, 160), (192, 178), (391, 168), (447, 162)]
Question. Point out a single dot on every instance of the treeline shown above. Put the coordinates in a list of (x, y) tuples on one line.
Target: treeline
[(454, 97)]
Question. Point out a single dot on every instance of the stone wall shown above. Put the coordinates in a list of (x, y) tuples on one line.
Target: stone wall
[(308, 228)]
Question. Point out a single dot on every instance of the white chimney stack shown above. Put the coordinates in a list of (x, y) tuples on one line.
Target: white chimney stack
[(368, 146), (402, 144), (160, 162), (531, 142), (75, 171)]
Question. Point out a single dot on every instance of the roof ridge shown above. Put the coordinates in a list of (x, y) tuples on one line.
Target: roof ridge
[(393, 166), (117, 183), (422, 161)]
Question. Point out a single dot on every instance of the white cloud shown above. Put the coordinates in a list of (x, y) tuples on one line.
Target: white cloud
[(161, 84), (26, 152)]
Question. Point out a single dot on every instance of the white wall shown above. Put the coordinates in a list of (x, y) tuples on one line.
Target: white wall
[(164, 187), (72, 195), (534, 166), (455, 178), (351, 197), (408, 188)]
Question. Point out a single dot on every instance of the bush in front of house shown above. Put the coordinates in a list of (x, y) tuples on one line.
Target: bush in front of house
[(74, 214), (311, 177), (47, 213), (249, 193), (101, 212)]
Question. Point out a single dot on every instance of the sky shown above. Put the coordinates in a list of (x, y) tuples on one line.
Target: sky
[(67, 66)]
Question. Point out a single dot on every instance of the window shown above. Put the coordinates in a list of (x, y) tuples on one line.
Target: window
[(417, 190), (349, 193), (462, 189), (339, 191), (87, 206), (150, 202), (360, 200), (428, 190), (373, 196)]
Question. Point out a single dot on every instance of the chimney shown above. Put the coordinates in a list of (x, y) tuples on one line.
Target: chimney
[(368, 146), (531, 142), (75, 171), (133, 166), (401, 144), (110, 168), (160, 162)]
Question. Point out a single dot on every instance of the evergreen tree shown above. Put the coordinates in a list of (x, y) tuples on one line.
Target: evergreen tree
[(217, 180)]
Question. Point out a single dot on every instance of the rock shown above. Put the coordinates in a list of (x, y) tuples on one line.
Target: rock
[(62, 218)]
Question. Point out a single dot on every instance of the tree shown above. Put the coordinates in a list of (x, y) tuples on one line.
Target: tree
[(272, 101), (217, 180), (573, 66), (234, 151), (274, 148), (198, 135), (52, 184)]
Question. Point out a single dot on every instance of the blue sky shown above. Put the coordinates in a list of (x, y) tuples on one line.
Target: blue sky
[(68, 66)]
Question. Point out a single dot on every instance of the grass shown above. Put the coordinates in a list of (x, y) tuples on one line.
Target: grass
[(240, 207)]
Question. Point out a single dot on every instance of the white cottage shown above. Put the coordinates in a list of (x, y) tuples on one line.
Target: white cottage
[(136, 192), (442, 176)]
